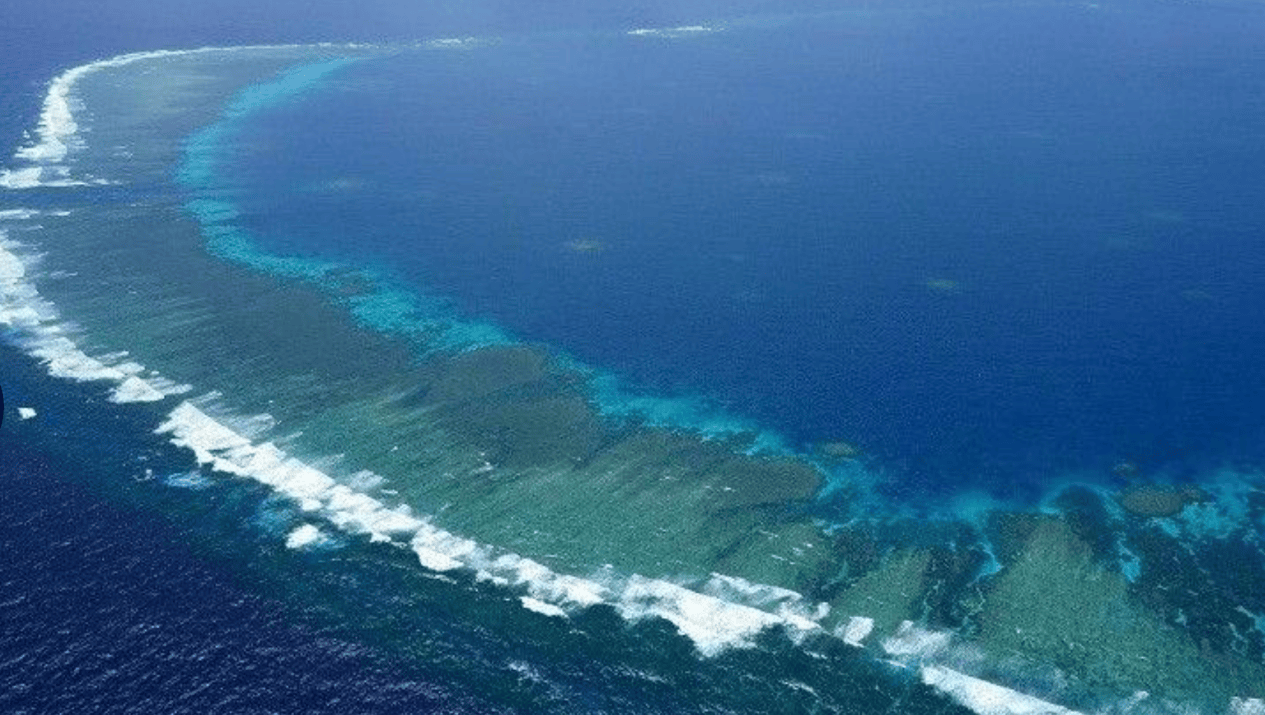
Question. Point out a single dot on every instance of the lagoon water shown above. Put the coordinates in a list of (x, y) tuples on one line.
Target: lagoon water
[(838, 362), (986, 260)]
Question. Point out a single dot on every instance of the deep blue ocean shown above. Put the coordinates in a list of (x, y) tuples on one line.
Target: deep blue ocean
[(990, 249), (952, 259)]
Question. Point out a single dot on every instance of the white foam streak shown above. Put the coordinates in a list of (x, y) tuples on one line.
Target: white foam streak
[(987, 698), (65, 360), (714, 623), (57, 124), (12, 270), (28, 214), (856, 630), (43, 334), (1247, 706), (57, 134), (911, 642), (673, 32), (305, 535), (18, 214), (732, 588), (541, 607), (927, 651), (27, 178), (457, 43)]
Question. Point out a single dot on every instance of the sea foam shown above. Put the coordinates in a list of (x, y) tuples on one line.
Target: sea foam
[(42, 333), (987, 698), (673, 32), (304, 536), (856, 630), (721, 614), (1247, 706), (57, 134), (712, 623)]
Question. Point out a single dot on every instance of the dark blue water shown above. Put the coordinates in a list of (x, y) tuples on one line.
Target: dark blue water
[(989, 248), (127, 591), (121, 594)]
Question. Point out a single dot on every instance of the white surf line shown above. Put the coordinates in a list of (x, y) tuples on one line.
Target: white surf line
[(458, 43), (724, 613), (917, 648), (57, 133), (41, 330), (711, 622), (987, 698), (937, 656), (42, 333), (673, 32)]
